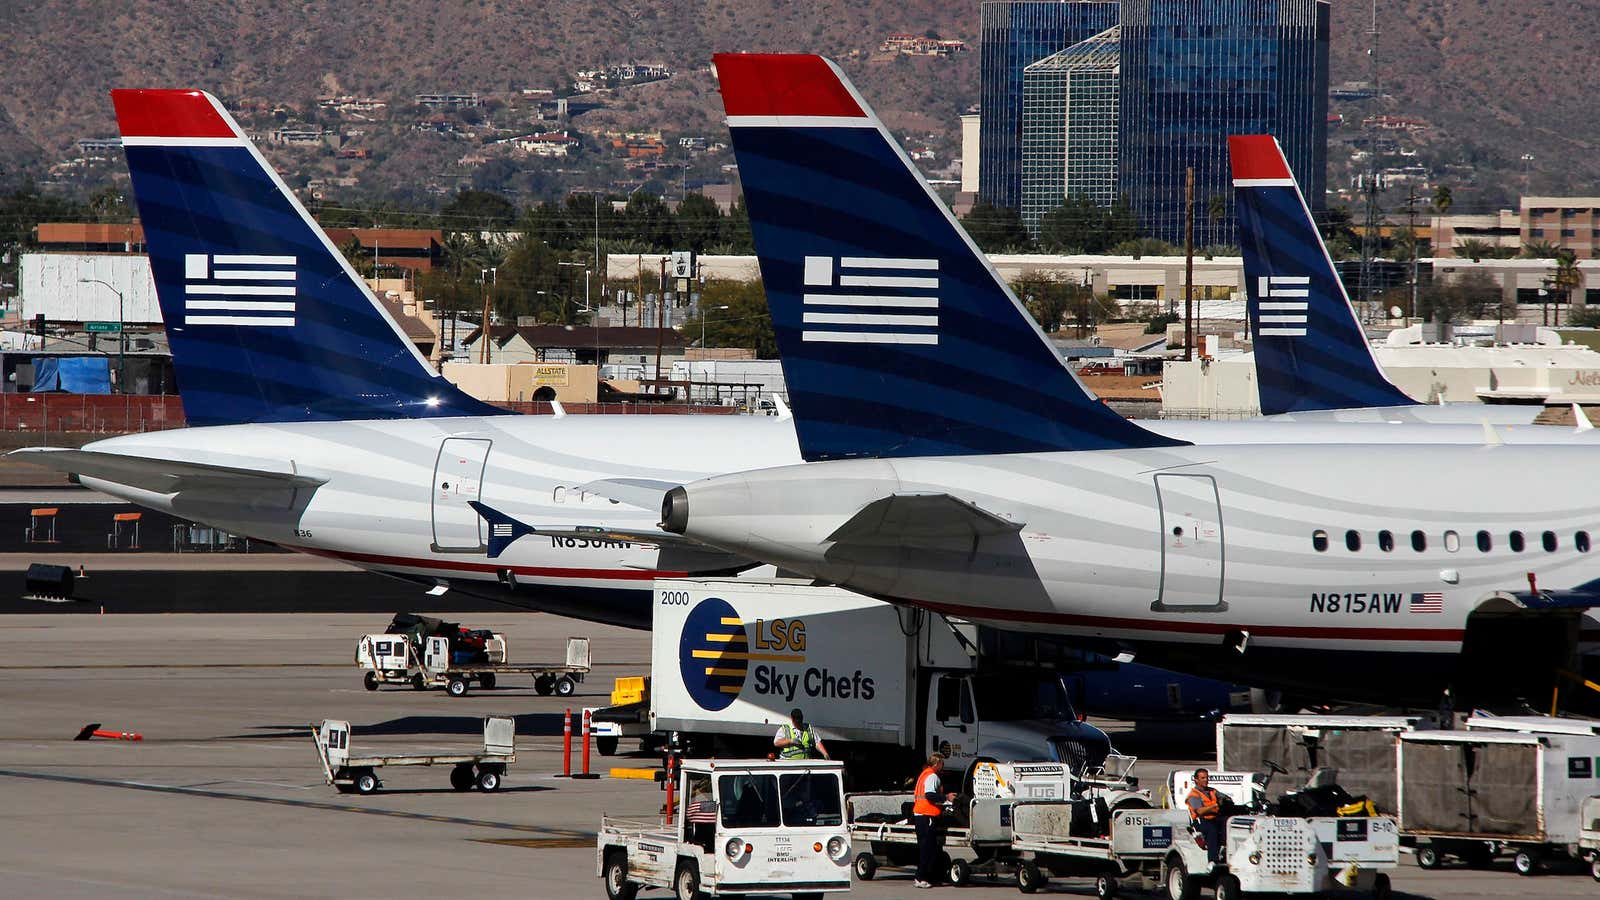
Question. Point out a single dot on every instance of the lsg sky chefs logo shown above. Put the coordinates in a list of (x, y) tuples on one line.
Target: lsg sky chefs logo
[(720, 656)]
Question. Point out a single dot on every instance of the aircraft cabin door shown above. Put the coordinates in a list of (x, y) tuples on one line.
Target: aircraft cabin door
[(1192, 558), (458, 479)]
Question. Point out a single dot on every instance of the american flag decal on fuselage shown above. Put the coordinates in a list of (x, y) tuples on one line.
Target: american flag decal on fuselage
[(1429, 602), (899, 305), (240, 289), (1284, 302)]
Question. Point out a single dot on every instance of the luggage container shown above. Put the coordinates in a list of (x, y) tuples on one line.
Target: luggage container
[(1359, 749), (1464, 794)]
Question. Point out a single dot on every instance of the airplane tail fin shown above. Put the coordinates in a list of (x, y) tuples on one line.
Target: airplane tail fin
[(1311, 353), (897, 336), (266, 319)]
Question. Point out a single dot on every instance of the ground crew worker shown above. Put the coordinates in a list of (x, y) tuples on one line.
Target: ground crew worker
[(926, 808), (1205, 813), (797, 740)]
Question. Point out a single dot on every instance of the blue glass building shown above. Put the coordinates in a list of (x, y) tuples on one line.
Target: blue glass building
[(1015, 34), (1196, 71)]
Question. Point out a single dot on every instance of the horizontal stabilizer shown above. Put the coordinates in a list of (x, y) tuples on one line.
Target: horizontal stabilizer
[(503, 529), (918, 518), (217, 472)]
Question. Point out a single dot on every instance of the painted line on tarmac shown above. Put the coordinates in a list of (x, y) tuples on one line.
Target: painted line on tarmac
[(567, 833)]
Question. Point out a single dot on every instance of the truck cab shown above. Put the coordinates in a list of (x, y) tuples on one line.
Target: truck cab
[(748, 827), (1005, 715)]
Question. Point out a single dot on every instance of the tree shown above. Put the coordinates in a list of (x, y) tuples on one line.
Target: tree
[(745, 323), (357, 255), (1469, 296), (1540, 249), (478, 211), (1565, 279), (698, 222), (996, 229), (1218, 208), (1443, 199), (1046, 297), (1145, 246), (1076, 226), (1339, 233), (528, 283), (1474, 249)]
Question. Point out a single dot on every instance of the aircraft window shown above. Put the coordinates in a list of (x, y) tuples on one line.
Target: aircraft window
[(1352, 540), (1549, 541), (1581, 541), (1485, 542), (1516, 541), (559, 495), (1319, 540), (1386, 541), (1419, 541), (1452, 541)]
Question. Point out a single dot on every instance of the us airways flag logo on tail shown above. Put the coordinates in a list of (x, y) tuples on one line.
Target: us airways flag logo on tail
[(239, 289), (901, 294), (1285, 300), (1431, 602)]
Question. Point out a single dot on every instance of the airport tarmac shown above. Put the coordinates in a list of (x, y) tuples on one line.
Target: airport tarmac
[(224, 797)]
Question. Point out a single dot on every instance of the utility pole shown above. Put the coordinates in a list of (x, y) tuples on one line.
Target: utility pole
[(1188, 264), (1369, 230), (483, 281), (661, 312), (1411, 212)]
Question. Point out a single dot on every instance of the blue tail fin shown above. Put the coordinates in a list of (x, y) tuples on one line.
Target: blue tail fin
[(897, 336), (266, 320), (1311, 353)]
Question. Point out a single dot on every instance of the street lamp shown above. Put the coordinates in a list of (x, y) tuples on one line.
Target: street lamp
[(703, 323), (122, 333)]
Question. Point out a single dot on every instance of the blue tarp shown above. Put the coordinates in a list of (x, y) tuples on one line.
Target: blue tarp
[(72, 375)]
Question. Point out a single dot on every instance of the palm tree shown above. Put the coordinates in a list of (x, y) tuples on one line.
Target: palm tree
[(1565, 279), (1540, 249), (1442, 199), (1474, 249)]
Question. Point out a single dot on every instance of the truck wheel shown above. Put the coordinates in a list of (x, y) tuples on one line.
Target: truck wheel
[(456, 686), (543, 685), (1594, 868), (1525, 863), (1180, 886), (486, 681), (1228, 887), (418, 683), (867, 866), (686, 886), (1427, 857), (959, 871), (1029, 878), (606, 745), (461, 777), (1381, 890), (618, 887), (366, 782), (1105, 887), (370, 681), (566, 686), (488, 780)]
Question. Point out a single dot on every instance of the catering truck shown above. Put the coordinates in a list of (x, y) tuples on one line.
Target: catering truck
[(882, 685)]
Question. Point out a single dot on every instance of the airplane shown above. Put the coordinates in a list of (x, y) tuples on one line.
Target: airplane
[(318, 426), (1313, 361), (953, 463)]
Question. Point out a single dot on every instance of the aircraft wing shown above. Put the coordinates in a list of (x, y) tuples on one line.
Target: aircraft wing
[(915, 518), (170, 476)]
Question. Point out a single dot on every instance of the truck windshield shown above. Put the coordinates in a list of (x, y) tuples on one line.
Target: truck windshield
[(811, 799), (748, 801), (1009, 698)]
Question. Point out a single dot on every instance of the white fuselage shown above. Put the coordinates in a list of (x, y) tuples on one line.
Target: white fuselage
[(1192, 545)]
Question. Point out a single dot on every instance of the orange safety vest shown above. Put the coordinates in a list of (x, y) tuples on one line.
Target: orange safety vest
[(1207, 796), (920, 805)]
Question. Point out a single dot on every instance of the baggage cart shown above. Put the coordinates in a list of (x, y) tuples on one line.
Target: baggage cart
[(1589, 834), (352, 774), (395, 659), (1470, 794), (978, 842)]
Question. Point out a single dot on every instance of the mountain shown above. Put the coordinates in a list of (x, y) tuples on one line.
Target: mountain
[(1494, 81)]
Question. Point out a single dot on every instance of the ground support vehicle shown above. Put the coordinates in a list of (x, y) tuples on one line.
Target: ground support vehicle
[(627, 718), (484, 769), (1468, 794), (1589, 834), (1287, 855), (883, 686), (747, 827), (977, 844), (396, 659)]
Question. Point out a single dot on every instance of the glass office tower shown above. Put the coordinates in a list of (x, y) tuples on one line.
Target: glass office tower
[(1015, 34), (1196, 71), (1069, 127)]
